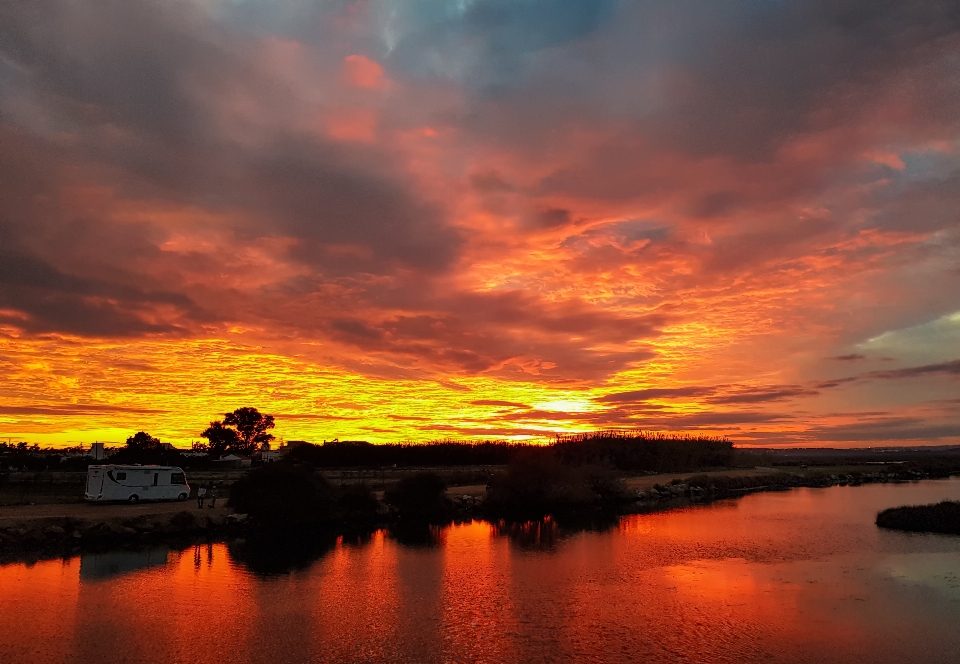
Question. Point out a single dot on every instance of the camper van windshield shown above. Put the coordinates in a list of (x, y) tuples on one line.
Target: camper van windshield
[(178, 478)]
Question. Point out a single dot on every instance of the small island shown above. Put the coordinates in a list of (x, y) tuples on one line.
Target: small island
[(941, 518)]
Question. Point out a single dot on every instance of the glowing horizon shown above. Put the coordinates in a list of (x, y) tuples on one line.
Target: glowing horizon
[(409, 221)]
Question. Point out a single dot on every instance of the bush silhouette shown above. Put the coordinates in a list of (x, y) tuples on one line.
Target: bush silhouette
[(422, 495), (938, 518), (357, 502), (279, 494), (537, 484)]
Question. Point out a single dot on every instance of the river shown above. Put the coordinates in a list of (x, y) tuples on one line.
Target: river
[(795, 576)]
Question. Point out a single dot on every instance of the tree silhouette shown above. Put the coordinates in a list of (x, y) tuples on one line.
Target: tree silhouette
[(222, 439), (242, 431), (251, 428), (142, 441)]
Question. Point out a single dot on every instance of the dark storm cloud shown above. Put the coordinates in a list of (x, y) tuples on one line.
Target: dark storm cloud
[(160, 79), (709, 419), (763, 394), (721, 394), (728, 79), (56, 273), (636, 396), (761, 70), (128, 62), (506, 331), (951, 368), (58, 302), (886, 429), (827, 384)]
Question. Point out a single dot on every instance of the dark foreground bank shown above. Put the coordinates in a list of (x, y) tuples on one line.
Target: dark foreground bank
[(287, 502)]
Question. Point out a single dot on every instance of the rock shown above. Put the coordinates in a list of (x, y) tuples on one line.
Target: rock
[(127, 530), (54, 531), (76, 535), (236, 518)]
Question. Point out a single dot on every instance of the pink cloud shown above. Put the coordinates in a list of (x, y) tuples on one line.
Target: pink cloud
[(362, 72)]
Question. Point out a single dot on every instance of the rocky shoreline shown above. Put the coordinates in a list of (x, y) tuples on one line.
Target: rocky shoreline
[(59, 536)]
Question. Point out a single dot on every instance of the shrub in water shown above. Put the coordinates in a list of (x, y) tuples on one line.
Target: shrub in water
[(357, 502), (938, 518), (538, 484), (279, 495), (421, 495)]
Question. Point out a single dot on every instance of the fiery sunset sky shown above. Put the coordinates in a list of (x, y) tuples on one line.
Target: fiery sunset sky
[(416, 219)]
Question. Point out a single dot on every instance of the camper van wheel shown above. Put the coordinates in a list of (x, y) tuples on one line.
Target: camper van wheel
[(133, 499), (182, 497)]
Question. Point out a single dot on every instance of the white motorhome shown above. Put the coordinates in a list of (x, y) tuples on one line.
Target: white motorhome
[(136, 483)]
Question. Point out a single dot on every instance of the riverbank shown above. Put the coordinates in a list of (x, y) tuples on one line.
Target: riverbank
[(51, 530)]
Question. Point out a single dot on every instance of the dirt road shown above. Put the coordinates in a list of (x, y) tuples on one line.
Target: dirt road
[(100, 511)]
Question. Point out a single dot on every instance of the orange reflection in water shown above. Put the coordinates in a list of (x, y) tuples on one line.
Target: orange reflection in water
[(477, 606), (192, 608), (792, 577), (38, 610), (354, 590)]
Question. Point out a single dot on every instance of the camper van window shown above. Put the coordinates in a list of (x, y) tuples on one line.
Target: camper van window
[(121, 476), (178, 478)]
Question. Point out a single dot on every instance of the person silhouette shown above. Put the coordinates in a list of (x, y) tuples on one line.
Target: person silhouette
[(213, 495), (201, 494)]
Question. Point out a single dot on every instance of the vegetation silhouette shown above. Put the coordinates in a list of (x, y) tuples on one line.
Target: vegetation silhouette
[(281, 496), (435, 453), (943, 518), (536, 484), (244, 431), (547, 533), (621, 450), (220, 439), (642, 451), (417, 534), (421, 496), (145, 449), (357, 502), (281, 553)]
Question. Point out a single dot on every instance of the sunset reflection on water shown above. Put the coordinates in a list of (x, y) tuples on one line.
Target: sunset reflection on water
[(798, 576)]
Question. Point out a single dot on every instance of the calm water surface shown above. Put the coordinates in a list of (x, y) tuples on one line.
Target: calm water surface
[(798, 576)]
